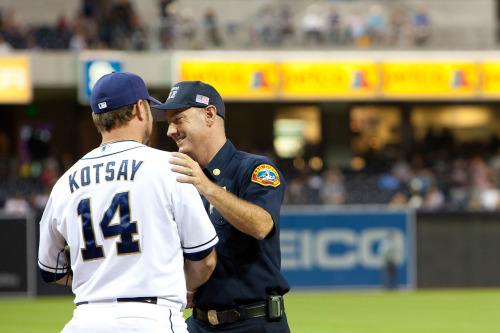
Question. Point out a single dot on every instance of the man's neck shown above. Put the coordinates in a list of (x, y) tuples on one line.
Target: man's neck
[(207, 157), (119, 134)]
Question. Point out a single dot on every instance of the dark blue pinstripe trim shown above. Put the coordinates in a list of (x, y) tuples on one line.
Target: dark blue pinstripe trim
[(54, 268), (118, 152), (194, 247), (197, 256), (51, 277), (170, 318)]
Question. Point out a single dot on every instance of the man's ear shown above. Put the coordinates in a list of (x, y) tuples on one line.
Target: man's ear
[(140, 110), (210, 114)]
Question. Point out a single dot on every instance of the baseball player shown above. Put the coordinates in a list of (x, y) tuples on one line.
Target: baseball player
[(242, 194), (139, 239)]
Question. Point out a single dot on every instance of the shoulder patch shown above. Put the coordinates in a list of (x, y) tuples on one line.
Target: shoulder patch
[(266, 175)]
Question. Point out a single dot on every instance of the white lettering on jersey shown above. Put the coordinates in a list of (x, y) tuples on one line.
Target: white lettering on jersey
[(86, 176)]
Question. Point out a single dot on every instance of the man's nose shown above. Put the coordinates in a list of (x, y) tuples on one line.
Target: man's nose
[(171, 130)]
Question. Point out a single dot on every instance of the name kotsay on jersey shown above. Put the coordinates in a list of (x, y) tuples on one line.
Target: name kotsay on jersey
[(109, 172)]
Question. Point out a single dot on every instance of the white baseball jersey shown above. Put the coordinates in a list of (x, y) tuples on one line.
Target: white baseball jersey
[(128, 223)]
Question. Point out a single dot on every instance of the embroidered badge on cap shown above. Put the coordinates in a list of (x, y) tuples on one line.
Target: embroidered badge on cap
[(173, 92), (266, 175)]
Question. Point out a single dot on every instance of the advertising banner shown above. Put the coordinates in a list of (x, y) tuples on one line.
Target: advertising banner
[(234, 80), (434, 80), (348, 249), (329, 80), (490, 72), (91, 70), (15, 80)]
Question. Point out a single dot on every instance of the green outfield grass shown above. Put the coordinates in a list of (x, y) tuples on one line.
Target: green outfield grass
[(423, 311)]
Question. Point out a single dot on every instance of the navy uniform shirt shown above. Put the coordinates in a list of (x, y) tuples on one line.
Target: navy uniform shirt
[(248, 269)]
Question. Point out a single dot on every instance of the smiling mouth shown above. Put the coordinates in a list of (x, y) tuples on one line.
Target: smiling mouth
[(179, 141)]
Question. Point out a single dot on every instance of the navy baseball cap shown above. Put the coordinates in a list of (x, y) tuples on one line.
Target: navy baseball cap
[(187, 94), (117, 89)]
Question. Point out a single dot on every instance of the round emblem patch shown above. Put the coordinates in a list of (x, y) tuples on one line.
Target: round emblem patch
[(266, 175)]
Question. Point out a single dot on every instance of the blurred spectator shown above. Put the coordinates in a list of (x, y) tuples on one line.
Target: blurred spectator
[(388, 182), (168, 12), (124, 26), (489, 198), (398, 24), (333, 189), (479, 173), (390, 251), (285, 25), (399, 199), (77, 42), (17, 205), (39, 199), (5, 47), (334, 26), (296, 191), (458, 179), (265, 26), (376, 25), (434, 199), (58, 38), (356, 26), (187, 29), (50, 172), (314, 186), (313, 26), (14, 32), (211, 28), (494, 161), (89, 8), (165, 7), (402, 170), (416, 200), (421, 26)]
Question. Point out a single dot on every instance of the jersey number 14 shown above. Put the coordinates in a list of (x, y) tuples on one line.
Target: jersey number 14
[(125, 229)]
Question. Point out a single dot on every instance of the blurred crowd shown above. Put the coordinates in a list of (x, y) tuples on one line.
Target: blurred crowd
[(461, 184), (439, 175), (116, 24), (328, 25), (99, 24)]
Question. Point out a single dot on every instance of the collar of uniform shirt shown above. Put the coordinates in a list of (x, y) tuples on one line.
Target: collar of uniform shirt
[(220, 160), (115, 141)]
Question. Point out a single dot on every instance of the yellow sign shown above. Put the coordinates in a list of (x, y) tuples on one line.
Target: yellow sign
[(234, 80), (15, 80), (490, 71), (432, 80), (329, 80)]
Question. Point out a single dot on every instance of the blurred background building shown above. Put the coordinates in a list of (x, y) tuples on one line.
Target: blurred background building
[(432, 149), (391, 102)]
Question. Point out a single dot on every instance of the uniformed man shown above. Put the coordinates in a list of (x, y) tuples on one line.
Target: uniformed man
[(138, 238), (243, 194)]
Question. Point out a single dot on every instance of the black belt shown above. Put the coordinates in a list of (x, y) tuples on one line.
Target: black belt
[(215, 317), (150, 300)]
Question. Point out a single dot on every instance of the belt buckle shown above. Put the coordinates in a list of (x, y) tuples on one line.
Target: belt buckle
[(212, 317)]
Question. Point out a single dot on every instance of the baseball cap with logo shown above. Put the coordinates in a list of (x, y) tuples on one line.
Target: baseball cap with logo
[(187, 94), (117, 89)]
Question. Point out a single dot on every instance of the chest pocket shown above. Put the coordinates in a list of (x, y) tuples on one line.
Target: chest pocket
[(216, 217), (222, 228)]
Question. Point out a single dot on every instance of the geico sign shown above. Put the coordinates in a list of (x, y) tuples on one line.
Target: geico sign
[(335, 248)]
